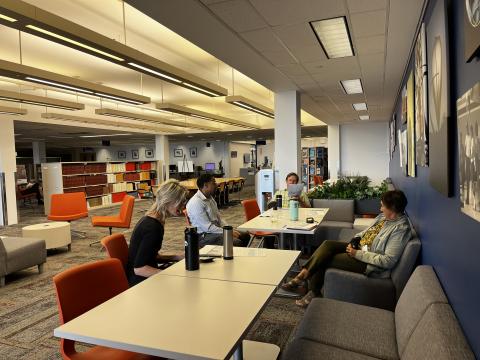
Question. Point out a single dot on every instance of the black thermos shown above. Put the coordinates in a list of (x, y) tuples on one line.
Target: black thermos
[(279, 201), (192, 261)]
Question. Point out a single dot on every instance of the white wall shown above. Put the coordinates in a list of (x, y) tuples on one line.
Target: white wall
[(364, 150), (237, 163), (110, 153), (217, 151), (333, 151)]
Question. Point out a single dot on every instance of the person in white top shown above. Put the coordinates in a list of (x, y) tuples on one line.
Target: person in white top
[(203, 213)]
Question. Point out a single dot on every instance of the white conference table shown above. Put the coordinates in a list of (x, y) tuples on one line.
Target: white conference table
[(278, 221), (178, 317), (249, 265)]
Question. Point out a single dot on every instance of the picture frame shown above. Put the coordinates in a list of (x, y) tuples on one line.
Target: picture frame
[(122, 154), (148, 153), (193, 152), (233, 154), (135, 154), (178, 152)]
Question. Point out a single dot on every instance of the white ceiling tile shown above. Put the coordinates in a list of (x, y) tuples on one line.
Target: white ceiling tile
[(296, 35), (281, 12), (239, 15), (279, 57), (292, 69), (370, 45), (357, 6), (263, 40), (368, 24), (309, 54)]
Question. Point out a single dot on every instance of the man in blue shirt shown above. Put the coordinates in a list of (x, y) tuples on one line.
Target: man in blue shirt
[(203, 213)]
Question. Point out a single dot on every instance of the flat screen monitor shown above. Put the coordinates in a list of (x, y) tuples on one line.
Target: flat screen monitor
[(210, 166)]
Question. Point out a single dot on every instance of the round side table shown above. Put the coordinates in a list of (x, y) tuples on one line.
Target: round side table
[(56, 233)]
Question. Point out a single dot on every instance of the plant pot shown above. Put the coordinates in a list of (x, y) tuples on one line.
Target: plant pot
[(367, 206)]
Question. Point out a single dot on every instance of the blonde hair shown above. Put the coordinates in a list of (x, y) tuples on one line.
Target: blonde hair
[(169, 193)]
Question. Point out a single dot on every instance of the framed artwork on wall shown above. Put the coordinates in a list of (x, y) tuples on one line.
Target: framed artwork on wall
[(421, 116), (178, 152), (404, 104), (135, 154), (468, 123), (233, 154), (193, 152), (411, 125), (392, 137), (122, 154), (148, 153), (402, 144), (438, 100), (471, 27)]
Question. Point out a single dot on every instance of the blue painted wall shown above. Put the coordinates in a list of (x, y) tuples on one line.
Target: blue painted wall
[(450, 239)]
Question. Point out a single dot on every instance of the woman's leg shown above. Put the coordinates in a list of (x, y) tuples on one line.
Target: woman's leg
[(338, 261), (322, 256)]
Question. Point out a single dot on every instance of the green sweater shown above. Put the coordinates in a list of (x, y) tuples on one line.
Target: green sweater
[(387, 247)]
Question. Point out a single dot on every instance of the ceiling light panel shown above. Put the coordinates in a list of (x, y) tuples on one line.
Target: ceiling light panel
[(152, 119), (39, 100), (7, 110), (183, 110), (29, 73), (81, 119), (364, 117), (250, 105), (49, 26), (334, 37), (352, 86), (360, 106)]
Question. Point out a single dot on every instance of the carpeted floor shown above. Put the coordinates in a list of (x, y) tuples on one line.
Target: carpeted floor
[(28, 309)]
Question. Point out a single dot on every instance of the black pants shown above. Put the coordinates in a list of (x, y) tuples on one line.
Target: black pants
[(34, 189), (331, 254), (217, 239)]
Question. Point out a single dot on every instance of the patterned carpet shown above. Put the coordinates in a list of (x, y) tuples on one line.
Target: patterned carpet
[(28, 309)]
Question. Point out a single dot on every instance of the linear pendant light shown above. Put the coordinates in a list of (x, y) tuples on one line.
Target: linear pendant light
[(49, 26), (250, 105), (82, 119), (28, 73), (151, 119), (39, 100), (334, 37), (8, 110), (178, 109)]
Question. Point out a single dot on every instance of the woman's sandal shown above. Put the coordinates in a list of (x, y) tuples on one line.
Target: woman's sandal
[(292, 284), (307, 299)]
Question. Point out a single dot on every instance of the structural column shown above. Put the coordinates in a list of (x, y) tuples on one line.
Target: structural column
[(334, 164), (162, 155), (287, 135), (39, 155), (8, 167)]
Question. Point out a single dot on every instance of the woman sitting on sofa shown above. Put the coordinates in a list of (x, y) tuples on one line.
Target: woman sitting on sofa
[(374, 251)]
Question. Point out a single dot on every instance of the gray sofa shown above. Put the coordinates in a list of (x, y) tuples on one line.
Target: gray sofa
[(340, 216), (423, 326), (17, 253), (363, 290)]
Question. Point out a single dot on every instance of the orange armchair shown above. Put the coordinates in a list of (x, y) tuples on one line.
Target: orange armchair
[(68, 207), (122, 220), (252, 210), (82, 288), (117, 247)]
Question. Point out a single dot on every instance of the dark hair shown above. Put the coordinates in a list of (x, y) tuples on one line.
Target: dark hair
[(292, 174), (203, 179), (395, 200)]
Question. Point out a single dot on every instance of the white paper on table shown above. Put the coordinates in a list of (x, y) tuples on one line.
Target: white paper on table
[(302, 226), (240, 252)]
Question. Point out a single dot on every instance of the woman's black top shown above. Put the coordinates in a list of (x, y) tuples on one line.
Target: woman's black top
[(145, 243)]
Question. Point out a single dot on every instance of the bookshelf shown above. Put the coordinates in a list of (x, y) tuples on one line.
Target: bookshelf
[(314, 163), (103, 183)]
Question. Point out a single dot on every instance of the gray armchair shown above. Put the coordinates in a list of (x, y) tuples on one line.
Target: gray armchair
[(18, 253), (363, 290)]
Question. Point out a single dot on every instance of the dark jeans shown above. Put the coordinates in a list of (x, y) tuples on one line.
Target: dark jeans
[(331, 254), (217, 239), (34, 189)]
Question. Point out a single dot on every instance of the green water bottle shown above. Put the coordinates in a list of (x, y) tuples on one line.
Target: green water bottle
[(293, 210)]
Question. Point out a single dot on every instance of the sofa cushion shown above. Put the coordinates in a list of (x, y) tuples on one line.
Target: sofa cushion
[(437, 336), (339, 210), (422, 290), (404, 267), (303, 349), (362, 329), (22, 252), (336, 224)]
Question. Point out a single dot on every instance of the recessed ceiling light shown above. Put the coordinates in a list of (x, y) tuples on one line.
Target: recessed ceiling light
[(250, 105), (8, 18), (334, 37), (352, 86), (154, 72), (190, 136), (364, 117), (360, 106)]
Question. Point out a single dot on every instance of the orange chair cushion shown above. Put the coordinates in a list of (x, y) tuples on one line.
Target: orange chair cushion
[(107, 221), (104, 353), (67, 217)]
